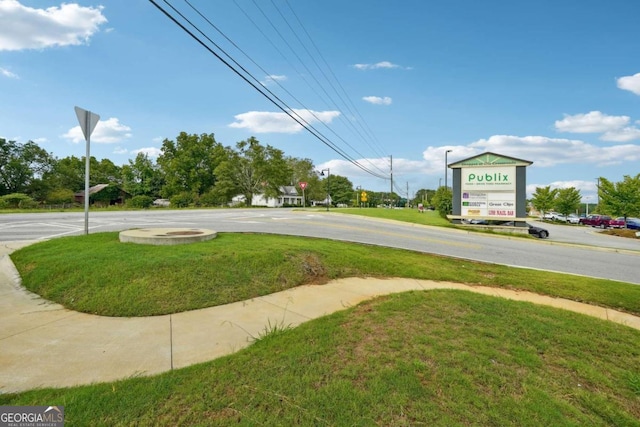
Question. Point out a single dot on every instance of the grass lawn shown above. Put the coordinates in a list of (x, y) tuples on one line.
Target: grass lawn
[(98, 274), (436, 358), (404, 215)]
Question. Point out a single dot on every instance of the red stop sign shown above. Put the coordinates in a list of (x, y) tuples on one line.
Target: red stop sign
[(302, 185)]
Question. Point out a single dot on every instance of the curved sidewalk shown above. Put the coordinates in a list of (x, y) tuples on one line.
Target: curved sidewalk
[(42, 344)]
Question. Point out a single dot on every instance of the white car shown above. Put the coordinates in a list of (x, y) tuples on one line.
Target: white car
[(573, 219), (559, 217)]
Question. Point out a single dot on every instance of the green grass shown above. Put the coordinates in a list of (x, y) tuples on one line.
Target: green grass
[(404, 215), (99, 274), (436, 358)]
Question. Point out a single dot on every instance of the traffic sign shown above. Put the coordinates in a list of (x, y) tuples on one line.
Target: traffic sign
[(87, 120), (302, 185)]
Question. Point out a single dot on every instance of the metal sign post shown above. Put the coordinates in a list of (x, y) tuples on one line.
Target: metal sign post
[(88, 122)]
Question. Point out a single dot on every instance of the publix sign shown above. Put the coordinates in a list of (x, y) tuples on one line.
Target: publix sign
[(489, 186), (489, 178)]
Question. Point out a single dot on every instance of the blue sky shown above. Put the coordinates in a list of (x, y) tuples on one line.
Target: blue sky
[(553, 82)]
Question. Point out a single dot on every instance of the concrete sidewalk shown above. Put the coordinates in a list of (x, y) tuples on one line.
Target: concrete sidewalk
[(45, 345)]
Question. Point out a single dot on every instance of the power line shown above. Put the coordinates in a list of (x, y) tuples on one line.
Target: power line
[(313, 76), (313, 113), (362, 120), (285, 109)]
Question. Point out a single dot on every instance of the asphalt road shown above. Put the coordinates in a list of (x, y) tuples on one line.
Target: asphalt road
[(576, 250)]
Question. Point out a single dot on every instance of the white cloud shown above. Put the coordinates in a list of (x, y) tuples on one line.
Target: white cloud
[(378, 100), (40, 140), (547, 152), (271, 122), (149, 151), (378, 65), (592, 122), (630, 83), (7, 73), (622, 135), (25, 27), (271, 79), (108, 131), (120, 150)]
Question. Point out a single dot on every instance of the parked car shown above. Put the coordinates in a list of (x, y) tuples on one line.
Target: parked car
[(539, 232), (479, 221), (573, 219), (633, 223), (618, 222), (559, 217), (554, 216), (601, 221)]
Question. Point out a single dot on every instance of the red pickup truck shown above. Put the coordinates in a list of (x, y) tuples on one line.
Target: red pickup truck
[(601, 221)]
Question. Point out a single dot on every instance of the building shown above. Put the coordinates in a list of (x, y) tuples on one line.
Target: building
[(288, 197), (103, 195)]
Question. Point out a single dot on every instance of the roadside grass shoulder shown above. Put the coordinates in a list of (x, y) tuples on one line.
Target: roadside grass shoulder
[(99, 274)]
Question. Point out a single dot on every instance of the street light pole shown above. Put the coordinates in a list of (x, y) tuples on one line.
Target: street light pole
[(328, 185), (587, 199), (445, 168)]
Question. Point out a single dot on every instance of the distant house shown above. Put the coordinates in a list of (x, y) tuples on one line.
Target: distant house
[(288, 197), (103, 194)]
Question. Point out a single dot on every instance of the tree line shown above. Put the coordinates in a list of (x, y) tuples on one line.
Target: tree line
[(191, 170), (617, 199)]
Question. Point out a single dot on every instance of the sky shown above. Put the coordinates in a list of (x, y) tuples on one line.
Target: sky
[(379, 85)]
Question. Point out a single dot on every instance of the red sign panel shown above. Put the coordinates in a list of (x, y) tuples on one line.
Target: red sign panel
[(302, 185)]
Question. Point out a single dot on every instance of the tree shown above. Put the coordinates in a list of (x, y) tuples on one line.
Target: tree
[(567, 200), (620, 198), (301, 169), (104, 172), (443, 201), (252, 169), (67, 173), (188, 164), (21, 165), (424, 196), (141, 177), (339, 188), (544, 198)]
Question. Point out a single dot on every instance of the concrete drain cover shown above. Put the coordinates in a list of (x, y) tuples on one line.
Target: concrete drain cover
[(167, 236), (183, 233)]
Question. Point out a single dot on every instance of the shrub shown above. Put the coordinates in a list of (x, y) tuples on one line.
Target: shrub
[(443, 201), (143, 202), (60, 196), (19, 200), (210, 198), (182, 200)]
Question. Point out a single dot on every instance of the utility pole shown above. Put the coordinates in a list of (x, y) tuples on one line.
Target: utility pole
[(407, 204), (391, 190)]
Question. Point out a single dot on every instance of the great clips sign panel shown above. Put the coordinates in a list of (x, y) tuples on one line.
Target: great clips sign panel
[(489, 192)]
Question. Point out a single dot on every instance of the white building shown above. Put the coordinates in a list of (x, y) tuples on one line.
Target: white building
[(288, 196)]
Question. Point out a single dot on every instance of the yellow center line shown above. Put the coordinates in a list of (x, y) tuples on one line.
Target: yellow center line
[(394, 234)]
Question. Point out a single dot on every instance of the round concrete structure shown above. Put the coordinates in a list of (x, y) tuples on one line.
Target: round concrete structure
[(167, 236)]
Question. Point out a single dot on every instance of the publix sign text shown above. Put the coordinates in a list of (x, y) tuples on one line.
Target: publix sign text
[(489, 178)]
